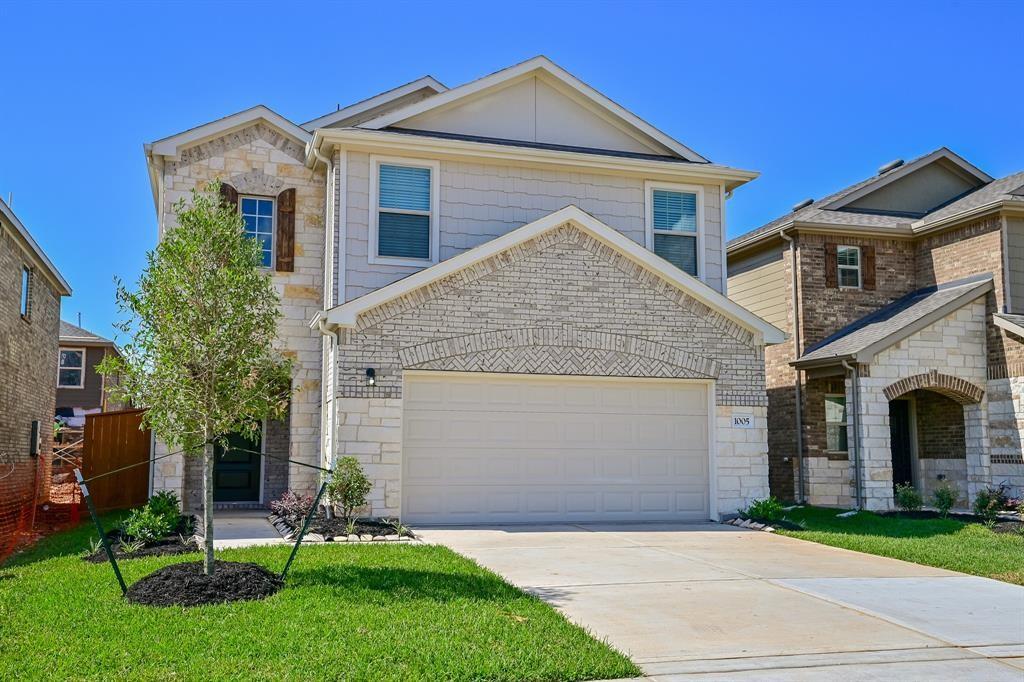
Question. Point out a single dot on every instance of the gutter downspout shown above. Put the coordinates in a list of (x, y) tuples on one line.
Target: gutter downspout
[(855, 378), (797, 384), (329, 301)]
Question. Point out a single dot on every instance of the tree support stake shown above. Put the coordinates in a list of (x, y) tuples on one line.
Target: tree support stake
[(103, 534)]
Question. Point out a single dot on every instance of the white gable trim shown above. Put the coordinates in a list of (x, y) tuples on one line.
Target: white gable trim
[(376, 101), (903, 171), (346, 314), (537, 64), (169, 146)]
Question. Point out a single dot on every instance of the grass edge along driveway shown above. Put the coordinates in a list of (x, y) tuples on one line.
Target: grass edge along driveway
[(373, 612), (942, 543)]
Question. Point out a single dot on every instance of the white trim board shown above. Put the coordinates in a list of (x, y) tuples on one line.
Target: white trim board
[(169, 146), (426, 82), (347, 314)]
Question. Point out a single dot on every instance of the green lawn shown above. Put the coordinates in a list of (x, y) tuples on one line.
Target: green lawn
[(374, 612), (944, 543)]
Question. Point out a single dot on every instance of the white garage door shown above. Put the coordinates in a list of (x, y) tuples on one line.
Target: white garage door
[(482, 448)]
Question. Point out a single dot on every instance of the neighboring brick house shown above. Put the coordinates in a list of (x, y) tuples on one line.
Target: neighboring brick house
[(915, 276), (30, 293), (513, 292), (80, 388)]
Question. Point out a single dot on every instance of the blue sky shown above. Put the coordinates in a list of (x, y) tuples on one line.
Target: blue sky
[(812, 95)]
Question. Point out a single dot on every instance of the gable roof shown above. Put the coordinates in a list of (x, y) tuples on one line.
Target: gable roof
[(347, 314), (826, 212), (169, 146), (861, 340), (70, 333), (428, 83), (30, 244), (541, 65)]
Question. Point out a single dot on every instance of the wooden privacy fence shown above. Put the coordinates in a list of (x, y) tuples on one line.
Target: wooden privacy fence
[(114, 440)]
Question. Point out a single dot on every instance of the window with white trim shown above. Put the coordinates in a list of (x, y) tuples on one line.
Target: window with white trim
[(71, 368), (848, 258), (26, 292), (404, 220), (674, 224), (835, 423), (258, 214)]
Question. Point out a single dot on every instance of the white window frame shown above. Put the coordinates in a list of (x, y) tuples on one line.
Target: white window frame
[(649, 187), (846, 423), (81, 380), (273, 225), (435, 212), (859, 267), (25, 300)]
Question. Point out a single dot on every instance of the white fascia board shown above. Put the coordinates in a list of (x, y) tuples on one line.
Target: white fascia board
[(401, 143), (545, 65), (347, 314), (31, 246), (1008, 325), (375, 101), (906, 170), (169, 146)]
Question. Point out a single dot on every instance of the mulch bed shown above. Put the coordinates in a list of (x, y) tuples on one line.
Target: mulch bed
[(187, 585), (1006, 523), (779, 523), (1008, 527), (335, 528), (169, 546)]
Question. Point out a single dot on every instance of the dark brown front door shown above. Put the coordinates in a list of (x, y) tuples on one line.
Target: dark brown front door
[(899, 440)]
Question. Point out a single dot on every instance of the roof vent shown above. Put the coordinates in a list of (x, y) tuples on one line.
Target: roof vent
[(802, 204), (892, 165)]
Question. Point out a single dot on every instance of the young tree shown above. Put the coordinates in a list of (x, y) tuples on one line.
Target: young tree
[(202, 325)]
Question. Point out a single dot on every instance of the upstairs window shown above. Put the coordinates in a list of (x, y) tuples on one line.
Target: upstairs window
[(835, 423), (26, 292), (71, 368), (674, 224), (848, 259), (405, 216), (258, 214)]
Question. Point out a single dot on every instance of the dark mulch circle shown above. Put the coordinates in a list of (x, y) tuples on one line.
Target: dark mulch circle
[(335, 527), (187, 585)]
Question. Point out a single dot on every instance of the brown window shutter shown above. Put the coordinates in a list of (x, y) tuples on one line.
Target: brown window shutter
[(831, 267), (228, 194), (286, 231), (867, 254)]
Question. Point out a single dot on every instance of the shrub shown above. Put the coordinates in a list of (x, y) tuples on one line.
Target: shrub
[(944, 497), (147, 526), (292, 506), (769, 509), (989, 502), (348, 486), (907, 497), (165, 502)]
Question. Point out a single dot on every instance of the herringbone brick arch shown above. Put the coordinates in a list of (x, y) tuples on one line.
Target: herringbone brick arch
[(960, 390)]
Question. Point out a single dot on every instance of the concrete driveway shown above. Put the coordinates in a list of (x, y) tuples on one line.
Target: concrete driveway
[(709, 601)]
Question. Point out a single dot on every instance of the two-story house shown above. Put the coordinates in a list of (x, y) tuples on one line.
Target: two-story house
[(903, 296), (505, 299), (30, 292), (80, 388)]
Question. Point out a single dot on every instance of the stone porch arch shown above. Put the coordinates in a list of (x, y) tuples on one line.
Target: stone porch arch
[(960, 390)]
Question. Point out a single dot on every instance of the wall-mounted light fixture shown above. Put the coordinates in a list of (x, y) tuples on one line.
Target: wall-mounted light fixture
[(371, 376)]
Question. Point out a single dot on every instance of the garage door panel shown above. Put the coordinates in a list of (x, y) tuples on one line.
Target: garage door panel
[(490, 448)]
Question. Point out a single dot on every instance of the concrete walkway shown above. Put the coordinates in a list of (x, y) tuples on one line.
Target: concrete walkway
[(243, 528), (713, 602)]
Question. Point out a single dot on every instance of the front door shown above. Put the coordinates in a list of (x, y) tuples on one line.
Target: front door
[(236, 470), (899, 440)]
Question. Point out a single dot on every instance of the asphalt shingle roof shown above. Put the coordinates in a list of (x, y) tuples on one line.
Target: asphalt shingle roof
[(887, 323), (70, 332)]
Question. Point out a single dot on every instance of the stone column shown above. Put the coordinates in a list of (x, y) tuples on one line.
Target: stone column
[(976, 440), (875, 452)]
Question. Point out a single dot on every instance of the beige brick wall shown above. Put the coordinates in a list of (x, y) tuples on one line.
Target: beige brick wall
[(559, 304), (260, 160)]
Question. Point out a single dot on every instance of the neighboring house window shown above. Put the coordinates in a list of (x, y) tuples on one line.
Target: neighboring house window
[(835, 423), (675, 224), (258, 214), (848, 258), (404, 229), (71, 369), (26, 292)]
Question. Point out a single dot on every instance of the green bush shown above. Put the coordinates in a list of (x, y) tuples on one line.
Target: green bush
[(944, 498), (156, 520), (989, 502), (907, 497), (768, 509), (348, 486), (165, 503)]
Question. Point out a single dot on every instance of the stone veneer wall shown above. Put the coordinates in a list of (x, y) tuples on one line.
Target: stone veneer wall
[(561, 303), (260, 160), (1006, 431)]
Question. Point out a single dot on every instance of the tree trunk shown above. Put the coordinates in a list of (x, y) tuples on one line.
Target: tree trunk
[(208, 458)]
